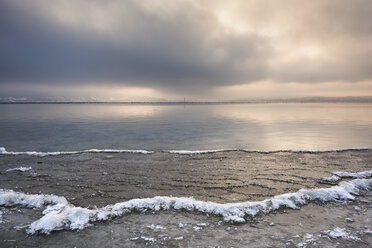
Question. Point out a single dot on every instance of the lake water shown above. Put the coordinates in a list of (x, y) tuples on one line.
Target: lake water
[(68, 127), (77, 191)]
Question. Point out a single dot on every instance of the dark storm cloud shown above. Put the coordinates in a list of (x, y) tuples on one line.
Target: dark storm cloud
[(183, 44), (147, 51)]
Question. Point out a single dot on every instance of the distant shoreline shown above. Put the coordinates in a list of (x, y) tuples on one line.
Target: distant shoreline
[(347, 99), (185, 103)]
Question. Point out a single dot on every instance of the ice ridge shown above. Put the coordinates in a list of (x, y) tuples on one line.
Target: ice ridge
[(60, 214)]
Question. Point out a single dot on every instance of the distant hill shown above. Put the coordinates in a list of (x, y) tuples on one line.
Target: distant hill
[(307, 99)]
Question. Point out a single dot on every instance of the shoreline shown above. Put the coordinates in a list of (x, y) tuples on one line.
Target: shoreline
[(99, 179), (233, 176), (3, 151)]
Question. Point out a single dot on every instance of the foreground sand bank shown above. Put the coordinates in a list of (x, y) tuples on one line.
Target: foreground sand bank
[(101, 179)]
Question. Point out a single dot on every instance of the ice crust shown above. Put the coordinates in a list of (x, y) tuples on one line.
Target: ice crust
[(3, 151), (353, 174), (338, 175), (23, 169), (60, 214), (190, 152)]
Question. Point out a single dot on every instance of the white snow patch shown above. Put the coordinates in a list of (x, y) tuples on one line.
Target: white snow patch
[(341, 233), (234, 219), (202, 224), (156, 227), (304, 243), (197, 228), (3, 151), (60, 214), (148, 239), (10, 198), (23, 169), (333, 178), (367, 231), (308, 236), (307, 240), (178, 238)]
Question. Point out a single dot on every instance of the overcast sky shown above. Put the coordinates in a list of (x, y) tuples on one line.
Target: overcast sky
[(204, 50)]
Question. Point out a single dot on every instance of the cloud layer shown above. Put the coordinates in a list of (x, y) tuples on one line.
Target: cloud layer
[(184, 45)]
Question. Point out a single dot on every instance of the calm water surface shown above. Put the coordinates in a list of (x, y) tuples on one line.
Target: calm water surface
[(67, 127)]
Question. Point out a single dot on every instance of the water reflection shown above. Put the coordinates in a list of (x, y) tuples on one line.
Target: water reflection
[(290, 112), (305, 126), (56, 127), (30, 112)]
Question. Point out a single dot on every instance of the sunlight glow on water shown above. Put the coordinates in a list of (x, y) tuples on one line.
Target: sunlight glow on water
[(66, 127)]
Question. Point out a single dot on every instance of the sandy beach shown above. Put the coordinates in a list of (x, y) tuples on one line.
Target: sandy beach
[(91, 180)]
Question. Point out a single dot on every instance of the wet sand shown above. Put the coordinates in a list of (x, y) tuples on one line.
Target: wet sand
[(100, 179)]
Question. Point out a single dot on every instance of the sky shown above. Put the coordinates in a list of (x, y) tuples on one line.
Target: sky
[(199, 49)]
